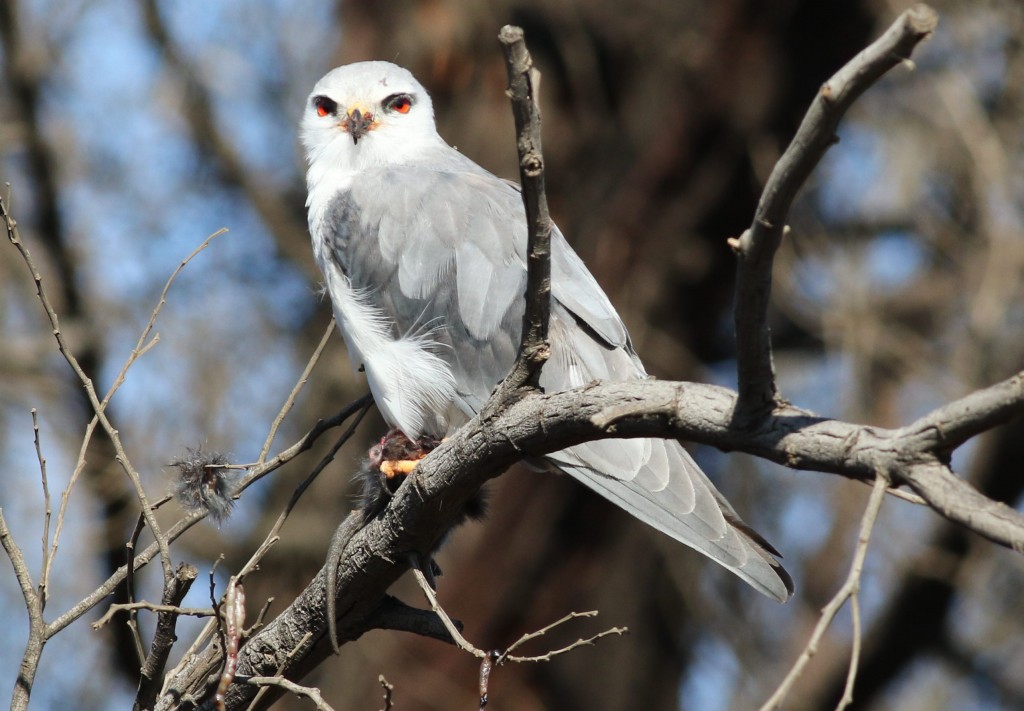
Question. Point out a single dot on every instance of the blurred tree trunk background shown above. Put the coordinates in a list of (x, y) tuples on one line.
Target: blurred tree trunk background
[(129, 131)]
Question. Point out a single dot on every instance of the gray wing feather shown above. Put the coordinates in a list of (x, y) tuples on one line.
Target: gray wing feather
[(574, 287), (485, 289), (436, 221)]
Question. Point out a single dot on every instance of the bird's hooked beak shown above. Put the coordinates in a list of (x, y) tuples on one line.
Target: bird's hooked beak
[(358, 122)]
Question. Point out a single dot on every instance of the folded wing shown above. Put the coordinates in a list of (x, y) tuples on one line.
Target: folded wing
[(440, 251)]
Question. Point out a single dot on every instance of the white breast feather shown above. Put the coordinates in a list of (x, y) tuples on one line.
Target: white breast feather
[(411, 384)]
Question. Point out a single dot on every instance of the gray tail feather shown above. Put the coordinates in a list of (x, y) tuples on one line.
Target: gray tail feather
[(682, 503)]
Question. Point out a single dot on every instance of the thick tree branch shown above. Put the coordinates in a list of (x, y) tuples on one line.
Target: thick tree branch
[(790, 436), (947, 427), (755, 248), (393, 614), (421, 510)]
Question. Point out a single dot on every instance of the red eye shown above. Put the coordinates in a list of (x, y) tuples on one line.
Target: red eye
[(324, 106), (399, 103)]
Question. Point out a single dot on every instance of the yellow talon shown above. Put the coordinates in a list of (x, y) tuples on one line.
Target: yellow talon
[(399, 467)]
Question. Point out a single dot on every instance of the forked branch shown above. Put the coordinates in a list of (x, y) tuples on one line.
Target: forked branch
[(755, 248)]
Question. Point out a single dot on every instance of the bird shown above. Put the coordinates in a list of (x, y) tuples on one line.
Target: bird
[(423, 256)]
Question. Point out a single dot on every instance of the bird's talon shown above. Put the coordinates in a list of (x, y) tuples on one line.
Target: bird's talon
[(399, 467)]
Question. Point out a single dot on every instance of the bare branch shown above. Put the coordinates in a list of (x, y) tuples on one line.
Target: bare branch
[(393, 614), (103, 591), (790, 436), (164, 638), (191, 519), (36, 626), (946, 428), (848, 590), (453, 630), (499, 658), (290, 401), (589, 641), (523, 80), (271, 537), (44, 577), (489, 660), (419, 513), (954, 498), (152, 607), (260, 469), (99, 407), (141, 346), (755, 249), (309, 692), (129, 585)]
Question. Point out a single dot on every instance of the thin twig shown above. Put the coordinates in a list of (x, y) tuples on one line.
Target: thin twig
[(905, 496), (508, 656), (44, 576), (259, 470), (141, 345), (290, 401), (152, 607), (129, 583), (428, 592), (272, 535), (544, 630), (587, 642), (65, 497), (500, 658), (849, 590), (309, 692), (851, 670)]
